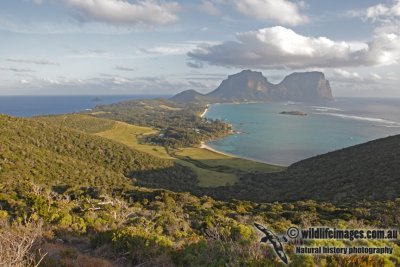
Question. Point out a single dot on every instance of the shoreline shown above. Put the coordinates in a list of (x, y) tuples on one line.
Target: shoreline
[(204, 146), (204, 112)]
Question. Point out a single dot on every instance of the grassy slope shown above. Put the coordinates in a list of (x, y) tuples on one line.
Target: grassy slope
[(129, 135), (41, 152), (212, 169), (213, 159)]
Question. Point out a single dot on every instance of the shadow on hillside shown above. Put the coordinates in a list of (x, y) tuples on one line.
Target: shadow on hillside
[(332, 177)]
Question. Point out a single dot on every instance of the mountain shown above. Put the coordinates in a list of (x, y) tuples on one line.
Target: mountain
[(189, 96), (241, 87), (248, 86), (305, 87)]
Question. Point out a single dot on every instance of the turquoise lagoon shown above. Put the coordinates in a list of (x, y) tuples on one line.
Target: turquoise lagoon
[(265, 135)]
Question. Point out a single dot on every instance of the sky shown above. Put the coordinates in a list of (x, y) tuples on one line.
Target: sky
[(95, 47)]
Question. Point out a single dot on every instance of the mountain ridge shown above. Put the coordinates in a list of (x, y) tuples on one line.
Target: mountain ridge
[(252, 86)]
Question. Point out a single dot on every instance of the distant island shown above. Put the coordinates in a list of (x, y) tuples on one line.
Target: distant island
[(97, 99), (294, 112), (252, 86)]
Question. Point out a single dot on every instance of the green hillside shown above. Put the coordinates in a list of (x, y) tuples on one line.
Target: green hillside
[(66, 196), (179, 124), (367, 171), (209, 169), (60, 155)]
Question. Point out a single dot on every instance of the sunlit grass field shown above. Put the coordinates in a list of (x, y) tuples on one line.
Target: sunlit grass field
[(212, 169)]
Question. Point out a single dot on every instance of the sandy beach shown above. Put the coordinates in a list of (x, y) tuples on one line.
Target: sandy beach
[(205, 112), (204, 146)]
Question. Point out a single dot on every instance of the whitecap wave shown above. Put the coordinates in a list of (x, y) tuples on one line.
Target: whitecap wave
[(324, 109), (360, 118), (391, 126), (291, 103)]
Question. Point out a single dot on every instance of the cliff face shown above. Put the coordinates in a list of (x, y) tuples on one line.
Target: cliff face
[(250, 85), (305, 87), (244, 86)]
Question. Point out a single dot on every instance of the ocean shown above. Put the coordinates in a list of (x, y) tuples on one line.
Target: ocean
[(267, 136), (28, 106)]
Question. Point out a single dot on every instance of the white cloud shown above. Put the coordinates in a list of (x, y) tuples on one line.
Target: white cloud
[(23, 81), (350, 77), (209, 7), (124, 68), (17, 70), (341, 73), (110, 83), (94, 53), (381, 11), (122, 12), (165, 50), (31, 61), (376, 11), (279, 47), (168, 49), (282, 11), (376, 76)]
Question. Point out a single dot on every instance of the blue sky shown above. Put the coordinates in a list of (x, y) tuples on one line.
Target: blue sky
[(163, 47)]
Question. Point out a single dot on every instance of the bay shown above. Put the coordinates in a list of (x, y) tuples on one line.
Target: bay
[(268, 136)]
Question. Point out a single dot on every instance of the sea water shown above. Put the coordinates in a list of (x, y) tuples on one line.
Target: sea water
[(268, 136), (28, 106)]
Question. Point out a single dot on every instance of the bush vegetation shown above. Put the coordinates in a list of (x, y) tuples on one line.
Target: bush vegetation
[(78, 190)]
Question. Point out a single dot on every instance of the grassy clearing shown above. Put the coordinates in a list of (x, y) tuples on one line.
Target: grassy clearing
[(216, 160), (168, 107), (212, 169), (210, 178), (129, 135)]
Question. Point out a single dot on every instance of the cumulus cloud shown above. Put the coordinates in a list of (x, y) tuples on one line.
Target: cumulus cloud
[(378, 13), (279, 47), (282, 11), (30, 61), (381, 11), (123, 12)]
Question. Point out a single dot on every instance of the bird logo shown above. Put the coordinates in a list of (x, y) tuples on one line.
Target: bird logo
[(274, 240)]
